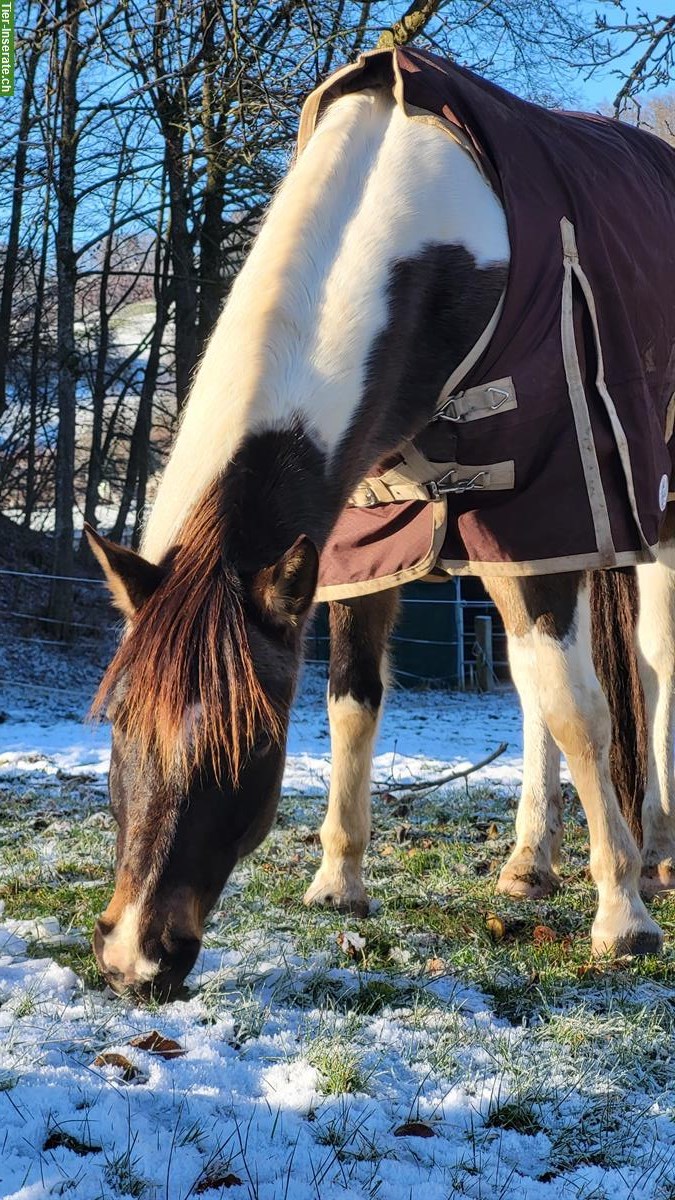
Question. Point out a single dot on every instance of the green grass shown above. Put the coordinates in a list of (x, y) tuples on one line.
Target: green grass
[(338, 1066), (567, 1022), (435, 894)]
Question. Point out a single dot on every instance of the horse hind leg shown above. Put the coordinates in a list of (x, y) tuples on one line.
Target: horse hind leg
[(578, 716), (549, 620), (655, 644), (359, 632)]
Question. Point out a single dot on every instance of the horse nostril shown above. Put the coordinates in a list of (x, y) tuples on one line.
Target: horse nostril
[(104, 927)]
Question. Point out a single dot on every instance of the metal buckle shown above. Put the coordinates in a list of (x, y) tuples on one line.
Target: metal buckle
[(444, 486), (444, 415), (500, 392)]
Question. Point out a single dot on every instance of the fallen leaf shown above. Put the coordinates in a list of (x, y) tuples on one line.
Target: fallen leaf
[(59, 1139), (542, 934), (386, 851), (414, 1129), (492, 832), (496, 926), (110, 1058), (435, 965), (350, 942), (216, 1180), (155, 1043)]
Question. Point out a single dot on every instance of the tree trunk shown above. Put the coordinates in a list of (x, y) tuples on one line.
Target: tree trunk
[(410, 24), (136, 477), (12, 248), (95, 464), (211, 282), (61, 597), (139, 446), (182, 257), (37, 358)]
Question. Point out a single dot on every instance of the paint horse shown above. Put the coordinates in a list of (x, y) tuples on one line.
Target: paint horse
[(390, 264)]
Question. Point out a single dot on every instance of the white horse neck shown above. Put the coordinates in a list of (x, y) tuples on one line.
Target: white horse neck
[(371, 187)]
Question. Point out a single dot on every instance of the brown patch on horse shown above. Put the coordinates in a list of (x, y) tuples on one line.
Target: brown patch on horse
[(359, 635), (188, 645), (545, 602)]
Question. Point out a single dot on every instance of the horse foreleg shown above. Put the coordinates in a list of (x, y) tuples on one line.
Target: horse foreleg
[(656, 659), (359, 632), (531, 871)]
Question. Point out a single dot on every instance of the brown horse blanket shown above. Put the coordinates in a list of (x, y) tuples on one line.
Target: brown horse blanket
[(552, 446)]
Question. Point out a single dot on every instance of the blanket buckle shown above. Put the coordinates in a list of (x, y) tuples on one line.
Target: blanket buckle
[(444, 486), (498, 392), (449, 410)]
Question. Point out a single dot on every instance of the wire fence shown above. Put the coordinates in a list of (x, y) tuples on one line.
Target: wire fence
[(24, 599), (433, 643)]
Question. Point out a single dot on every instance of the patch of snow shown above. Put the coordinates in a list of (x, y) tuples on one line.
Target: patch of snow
[(423, 734)]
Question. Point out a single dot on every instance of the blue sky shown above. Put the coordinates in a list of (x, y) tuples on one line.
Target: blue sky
[(603, 85)]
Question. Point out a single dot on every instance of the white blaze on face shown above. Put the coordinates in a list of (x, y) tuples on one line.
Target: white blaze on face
[(122, 949)]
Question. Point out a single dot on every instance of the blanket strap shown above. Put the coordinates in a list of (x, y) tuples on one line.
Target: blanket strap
[(416, 478), (478, 402)]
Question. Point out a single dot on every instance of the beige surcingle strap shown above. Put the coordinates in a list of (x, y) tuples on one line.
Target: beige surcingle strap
[(416, 478)]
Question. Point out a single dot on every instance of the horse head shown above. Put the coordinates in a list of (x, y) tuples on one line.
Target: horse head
[(199, 694)]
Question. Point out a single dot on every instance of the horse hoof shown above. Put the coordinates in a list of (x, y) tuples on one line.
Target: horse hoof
[(343, 899), (526, 883), (658, 878), (637, 942)]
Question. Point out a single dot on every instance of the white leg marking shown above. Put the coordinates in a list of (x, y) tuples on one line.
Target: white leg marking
[(656, 659), (578, 717), (345, 832), (531, 869), (122, 949)]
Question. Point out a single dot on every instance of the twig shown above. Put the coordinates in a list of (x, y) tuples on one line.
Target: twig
[(428, 784)]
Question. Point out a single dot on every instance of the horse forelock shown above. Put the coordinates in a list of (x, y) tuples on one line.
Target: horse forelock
[(186, 652)]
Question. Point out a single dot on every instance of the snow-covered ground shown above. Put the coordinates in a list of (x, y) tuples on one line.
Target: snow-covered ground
[(423, 733), (287, 1085)]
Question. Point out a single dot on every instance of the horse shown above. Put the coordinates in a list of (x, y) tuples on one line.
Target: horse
[(378, 266)]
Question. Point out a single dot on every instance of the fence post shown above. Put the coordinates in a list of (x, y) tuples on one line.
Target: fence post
[(482, 628), (459, 633)]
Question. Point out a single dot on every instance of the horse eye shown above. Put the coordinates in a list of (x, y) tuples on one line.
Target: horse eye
[(261, 746)]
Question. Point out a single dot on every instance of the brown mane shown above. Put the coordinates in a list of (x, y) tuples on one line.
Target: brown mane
[(188, 645)]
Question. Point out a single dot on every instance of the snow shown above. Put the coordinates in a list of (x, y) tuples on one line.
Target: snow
[(252, 1116), (412, 743)]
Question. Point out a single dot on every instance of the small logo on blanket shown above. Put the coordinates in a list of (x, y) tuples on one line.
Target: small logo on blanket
[(663, 493)]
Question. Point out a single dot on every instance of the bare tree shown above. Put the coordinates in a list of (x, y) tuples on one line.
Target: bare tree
[(30, 52), (144, 146), (60, 604)]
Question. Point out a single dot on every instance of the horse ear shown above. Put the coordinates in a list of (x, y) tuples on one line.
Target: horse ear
[(131, 578), (285, 591)]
